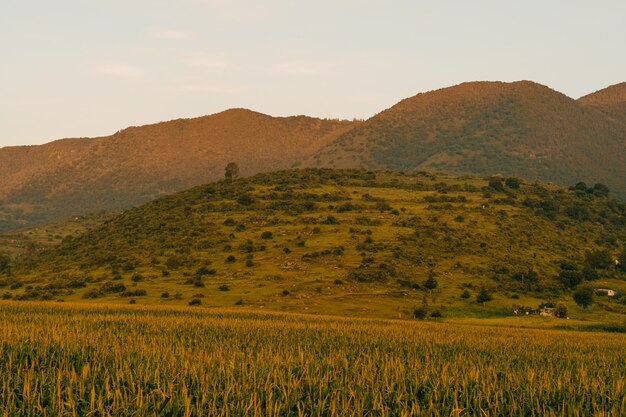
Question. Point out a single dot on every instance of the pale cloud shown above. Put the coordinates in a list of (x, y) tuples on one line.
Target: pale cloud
[(203, 60), (210, 88), (173, 35), (118, 69), (302, 68)]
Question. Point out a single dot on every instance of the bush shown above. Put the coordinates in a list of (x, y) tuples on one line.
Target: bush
[(230, 259), (420, 313), (331, 220), (136, 293), (195, 302), (512, 183), (245, 200), (224, 287), (466, 294), (266, 235), (561, 311)]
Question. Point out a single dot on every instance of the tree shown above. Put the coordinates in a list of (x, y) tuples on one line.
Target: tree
[(599, 259), (231, 172), (483, 296), (570, 279), (5, 262), (584, 296), (431, 282)]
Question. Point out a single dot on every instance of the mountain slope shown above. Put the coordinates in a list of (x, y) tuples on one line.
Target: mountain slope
[(74, 176), (522, 128), (610, 100), (346, 242)]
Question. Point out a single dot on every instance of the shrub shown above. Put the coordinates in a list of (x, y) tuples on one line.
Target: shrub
[(267, 235), (224, 287), (230, 259), (512, 183), (245, 200), (420, 313), (561, 311), (466, 294), (136, 293), (195, 302), (331, 220)]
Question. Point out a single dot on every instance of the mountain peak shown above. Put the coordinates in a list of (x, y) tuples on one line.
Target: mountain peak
[(613, 94)]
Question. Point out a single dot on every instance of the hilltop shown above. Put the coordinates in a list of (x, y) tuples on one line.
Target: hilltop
[(137, 164), (349, 242), (522, 129), (610, 100)]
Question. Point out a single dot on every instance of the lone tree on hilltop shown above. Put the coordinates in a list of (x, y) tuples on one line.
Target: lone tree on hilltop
[(231, 172)]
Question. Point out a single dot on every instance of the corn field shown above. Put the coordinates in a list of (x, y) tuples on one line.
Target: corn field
[(81, 360)]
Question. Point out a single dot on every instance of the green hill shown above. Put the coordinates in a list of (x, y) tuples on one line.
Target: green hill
[(522, 129), (346, 242)]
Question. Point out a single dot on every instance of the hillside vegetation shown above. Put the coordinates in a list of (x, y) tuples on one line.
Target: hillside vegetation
[(76, 176), (348, 242), (522, 129)]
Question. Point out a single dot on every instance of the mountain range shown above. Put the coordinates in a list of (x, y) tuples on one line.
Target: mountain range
[(522, 129)]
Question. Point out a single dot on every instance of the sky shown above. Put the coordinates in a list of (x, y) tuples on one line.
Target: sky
[(85, 68)]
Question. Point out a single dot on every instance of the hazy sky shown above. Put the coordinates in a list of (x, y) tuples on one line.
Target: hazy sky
[(72, 68)]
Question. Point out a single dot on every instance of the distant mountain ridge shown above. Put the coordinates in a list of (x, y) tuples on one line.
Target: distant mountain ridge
[(518, 129), (137, 164), (522, 128)]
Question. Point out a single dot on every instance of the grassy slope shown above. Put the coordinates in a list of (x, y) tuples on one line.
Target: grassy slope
[(343, 242)]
